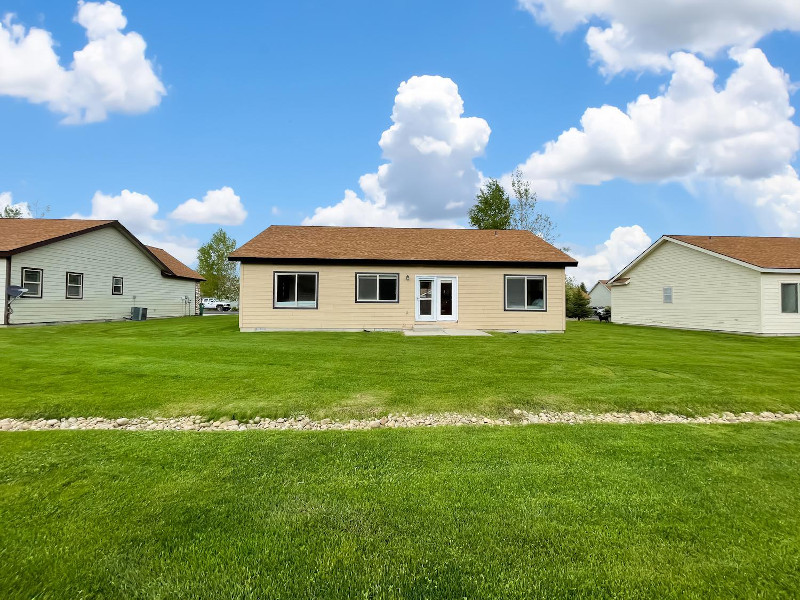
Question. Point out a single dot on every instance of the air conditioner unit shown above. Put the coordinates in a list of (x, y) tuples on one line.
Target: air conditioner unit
[(138, 313)]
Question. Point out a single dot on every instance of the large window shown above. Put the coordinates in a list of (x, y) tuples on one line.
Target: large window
[(295, 290), (116, 286), (377, 287), (75, 286), (789, 297), (526, 292), (666, 295), (32, 281)]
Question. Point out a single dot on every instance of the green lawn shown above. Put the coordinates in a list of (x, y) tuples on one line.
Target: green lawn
[(205, 366), (535, 512)]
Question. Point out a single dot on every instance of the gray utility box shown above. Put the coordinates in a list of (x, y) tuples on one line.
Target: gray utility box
[(138, 313)]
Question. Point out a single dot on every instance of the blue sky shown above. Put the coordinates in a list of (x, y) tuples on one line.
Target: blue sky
[(276, 109)]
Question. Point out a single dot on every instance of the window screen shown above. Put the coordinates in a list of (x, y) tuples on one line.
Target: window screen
[(32, 281), (525, 292), (75, 285), (789, 300), (295, 290), (376, 287)]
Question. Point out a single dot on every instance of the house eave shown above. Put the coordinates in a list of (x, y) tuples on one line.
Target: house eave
[(377, 261)]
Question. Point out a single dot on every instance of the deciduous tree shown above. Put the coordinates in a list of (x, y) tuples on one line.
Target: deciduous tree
[(222, 278)]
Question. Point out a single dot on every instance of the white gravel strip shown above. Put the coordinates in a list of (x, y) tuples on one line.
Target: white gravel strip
[(195, 423)]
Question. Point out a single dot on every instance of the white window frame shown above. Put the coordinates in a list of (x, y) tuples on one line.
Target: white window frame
[(667, 294), (24, 281), (68, 285), (379, 277), (525, 278), (295, 304), (797, 291), (114, 285)]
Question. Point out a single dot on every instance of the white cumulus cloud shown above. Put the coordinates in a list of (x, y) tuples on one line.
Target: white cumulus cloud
[(137, 212), (637, 35), (741, 135), (430, 174), (623, 245), (109, 74), (220, 207), (6, 200)]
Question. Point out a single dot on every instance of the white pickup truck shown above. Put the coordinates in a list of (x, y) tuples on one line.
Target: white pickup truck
[(216, 304)]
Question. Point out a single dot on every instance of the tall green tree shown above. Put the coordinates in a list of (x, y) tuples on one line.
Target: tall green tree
[(492, 209), (524, 214), (222, 277)]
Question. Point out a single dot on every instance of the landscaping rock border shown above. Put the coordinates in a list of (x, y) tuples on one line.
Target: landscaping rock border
[(303, 423)]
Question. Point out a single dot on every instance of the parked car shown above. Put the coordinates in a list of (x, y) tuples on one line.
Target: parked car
[(216, 304)]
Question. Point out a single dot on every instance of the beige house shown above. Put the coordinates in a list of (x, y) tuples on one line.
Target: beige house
[(357, 278), (86, 270), (735, 284)]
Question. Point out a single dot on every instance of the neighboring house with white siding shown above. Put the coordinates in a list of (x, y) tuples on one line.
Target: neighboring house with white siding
[(356, 278), (88, 270), (600, 294), (719, 283)]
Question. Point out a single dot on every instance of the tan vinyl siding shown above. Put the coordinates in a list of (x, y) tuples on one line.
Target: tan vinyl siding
[(775, 322), (708, 292), (480, 299), (99, 255)]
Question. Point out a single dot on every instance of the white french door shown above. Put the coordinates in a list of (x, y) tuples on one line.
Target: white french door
[(436, 298)]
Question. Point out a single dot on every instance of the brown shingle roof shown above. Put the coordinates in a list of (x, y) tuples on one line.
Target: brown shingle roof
[(285, 242), (764, 252), (18, 234), (177, 267)]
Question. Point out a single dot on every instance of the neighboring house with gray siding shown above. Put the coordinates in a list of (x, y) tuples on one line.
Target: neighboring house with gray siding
[(600, 295), (720, 283), (87, 270)]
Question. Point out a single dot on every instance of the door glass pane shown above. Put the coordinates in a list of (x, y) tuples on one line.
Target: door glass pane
[(425, 307), (387, 288), (446, 298), (789, 297), (367, 287), (426, 288), (515, 292), (535, 294), (284, 291), (306, 290)]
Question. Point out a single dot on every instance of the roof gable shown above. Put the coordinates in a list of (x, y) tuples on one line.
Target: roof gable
[(177, 268), (384, 244), (21, 235), (763, 254)]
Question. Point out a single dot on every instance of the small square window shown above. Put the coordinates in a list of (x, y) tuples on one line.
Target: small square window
[(31, 280), (667, 295), (74, 286), (116, 286)]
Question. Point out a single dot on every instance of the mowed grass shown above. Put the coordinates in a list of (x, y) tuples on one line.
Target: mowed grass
[(207, 367), (516, 512)]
